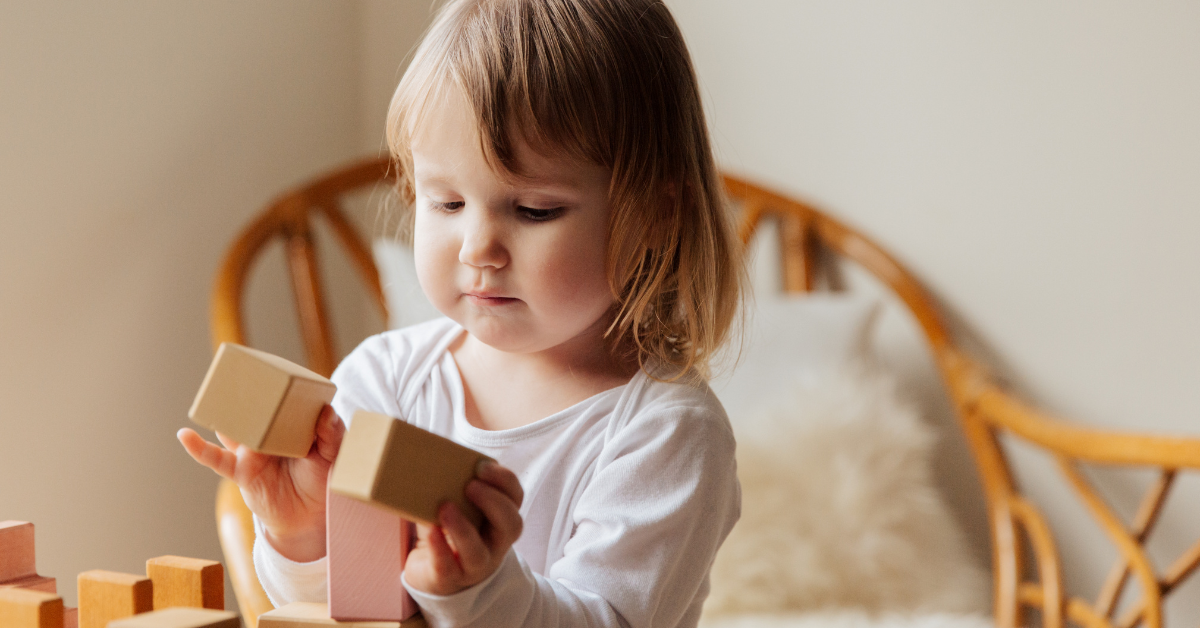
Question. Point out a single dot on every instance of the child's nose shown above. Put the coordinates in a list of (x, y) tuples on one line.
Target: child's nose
[(482, 243)]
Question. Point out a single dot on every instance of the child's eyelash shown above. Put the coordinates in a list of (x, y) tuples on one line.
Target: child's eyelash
[(529, 213), (540, 215)]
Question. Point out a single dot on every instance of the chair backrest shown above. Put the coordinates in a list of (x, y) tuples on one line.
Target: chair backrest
[(811, 240), (290, 218)]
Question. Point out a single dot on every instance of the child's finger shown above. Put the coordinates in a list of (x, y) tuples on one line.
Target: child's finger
[(500, 510), (502, 478), (229, 443), (441, 558), (473, 554), (223, 461), (330, 430)]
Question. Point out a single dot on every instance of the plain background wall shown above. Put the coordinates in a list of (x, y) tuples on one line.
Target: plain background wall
[(136, 138), (1034, 165)]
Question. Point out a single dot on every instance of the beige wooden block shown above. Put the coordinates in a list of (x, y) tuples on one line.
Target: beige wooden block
[(34, 583), (261, 400), (307, 615), (23, 608), (193, 582), (180, 617), (108, 595), (403, 467), (17, 559)]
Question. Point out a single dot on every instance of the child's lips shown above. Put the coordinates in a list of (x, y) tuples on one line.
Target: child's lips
[(489, 299)]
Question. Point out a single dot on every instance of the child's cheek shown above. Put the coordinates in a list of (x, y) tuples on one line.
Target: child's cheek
[(434, 257)]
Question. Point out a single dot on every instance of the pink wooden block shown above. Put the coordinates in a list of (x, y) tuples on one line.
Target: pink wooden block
[(17, 559), (71, 618), (367, 547)]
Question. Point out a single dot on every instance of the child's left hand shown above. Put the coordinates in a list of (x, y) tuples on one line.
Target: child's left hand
[(453, 555)]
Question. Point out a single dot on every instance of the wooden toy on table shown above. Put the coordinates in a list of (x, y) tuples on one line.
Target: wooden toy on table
[(180, 617), (261, 400), (18, 561), (405, 468), (107, 598), (192, 582), (23, 608), (108, 595), (310, 615)]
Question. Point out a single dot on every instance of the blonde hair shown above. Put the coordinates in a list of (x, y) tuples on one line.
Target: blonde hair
[(609, 81)]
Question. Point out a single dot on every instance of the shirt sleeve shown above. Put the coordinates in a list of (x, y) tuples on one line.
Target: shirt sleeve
[(663, 497), (285, 580)]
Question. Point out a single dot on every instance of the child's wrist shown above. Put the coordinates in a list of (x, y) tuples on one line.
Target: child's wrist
[(301, 545)]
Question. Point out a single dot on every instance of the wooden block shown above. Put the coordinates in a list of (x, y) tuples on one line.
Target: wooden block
[(307, 615), (180, 617), (107, 595), (22, 608), (405, 468), (261, 401), (33, 583), (366, 546), (17, 559), (193, 582), (71, 618)]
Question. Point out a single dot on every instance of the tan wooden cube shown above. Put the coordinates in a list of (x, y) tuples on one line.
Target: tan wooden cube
[(23, 608), (192, 582), (308, 615), (180, 617), (261, 400), (108, 595), (403, 467)]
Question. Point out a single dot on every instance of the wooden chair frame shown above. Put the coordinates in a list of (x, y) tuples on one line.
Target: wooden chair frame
[(985, 410)]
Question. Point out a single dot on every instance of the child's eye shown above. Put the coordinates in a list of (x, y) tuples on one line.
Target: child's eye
[(447, 207), (540, 215)]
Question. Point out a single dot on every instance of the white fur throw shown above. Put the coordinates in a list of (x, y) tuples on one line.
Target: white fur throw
[(851, 619), (839, 511)]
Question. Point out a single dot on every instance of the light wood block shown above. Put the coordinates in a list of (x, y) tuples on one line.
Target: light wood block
[(180, 617), (22, 608), (71, 618), (192, 582), (108, 595), (33, 583), (308, 615), (17, 558), (405, 468), (366, 546), (261, 400)]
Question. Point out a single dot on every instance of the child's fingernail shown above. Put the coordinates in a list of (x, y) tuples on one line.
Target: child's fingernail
[(483, 465)]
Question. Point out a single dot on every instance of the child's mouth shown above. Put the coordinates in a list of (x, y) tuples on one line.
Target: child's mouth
[(490, 300)]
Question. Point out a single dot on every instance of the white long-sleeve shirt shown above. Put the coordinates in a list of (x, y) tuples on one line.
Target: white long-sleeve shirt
[(628, 494)]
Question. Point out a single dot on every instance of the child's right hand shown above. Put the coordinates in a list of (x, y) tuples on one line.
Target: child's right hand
[(287, 494)]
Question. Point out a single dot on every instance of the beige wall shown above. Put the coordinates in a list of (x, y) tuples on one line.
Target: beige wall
[(135, 139), (1035, 164)]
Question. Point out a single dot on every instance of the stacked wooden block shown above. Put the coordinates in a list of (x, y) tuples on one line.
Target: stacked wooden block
[(176, 592)]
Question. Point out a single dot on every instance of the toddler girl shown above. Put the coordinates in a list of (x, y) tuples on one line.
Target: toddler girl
[(567, 220)]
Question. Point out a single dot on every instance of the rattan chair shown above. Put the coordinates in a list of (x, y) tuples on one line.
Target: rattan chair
[(1026, 564)]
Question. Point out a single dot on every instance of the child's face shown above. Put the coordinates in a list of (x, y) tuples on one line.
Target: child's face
[(519, 264)]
